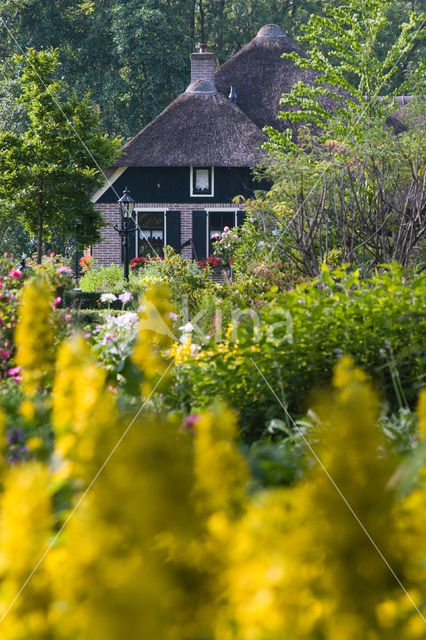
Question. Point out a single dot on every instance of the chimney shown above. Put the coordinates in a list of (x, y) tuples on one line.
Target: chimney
[(202, 65)]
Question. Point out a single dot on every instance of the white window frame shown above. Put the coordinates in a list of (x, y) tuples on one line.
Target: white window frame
[(138, 210), (191, 183), (218, 210)]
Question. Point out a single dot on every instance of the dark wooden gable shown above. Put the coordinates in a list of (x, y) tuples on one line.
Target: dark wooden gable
[(151, 185)]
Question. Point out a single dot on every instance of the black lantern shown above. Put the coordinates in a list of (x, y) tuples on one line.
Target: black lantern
[(127, 204)]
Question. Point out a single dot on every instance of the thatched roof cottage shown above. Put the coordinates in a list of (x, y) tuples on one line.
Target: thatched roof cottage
[(185, 167)]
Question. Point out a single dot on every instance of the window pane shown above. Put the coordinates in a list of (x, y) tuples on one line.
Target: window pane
[(216, 221), (228, 220), (151, 234), (151, 220), (202, 182)]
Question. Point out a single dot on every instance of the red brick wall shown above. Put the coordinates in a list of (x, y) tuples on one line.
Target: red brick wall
[(109, 250)]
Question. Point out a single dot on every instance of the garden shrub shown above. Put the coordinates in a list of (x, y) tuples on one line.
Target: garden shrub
[(11, 281), (184, 278), (50, 276), (104, 279), (77, 300), (297, 338)]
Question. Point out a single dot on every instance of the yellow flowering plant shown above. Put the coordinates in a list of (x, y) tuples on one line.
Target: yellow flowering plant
[(168, 537), (154, 340)]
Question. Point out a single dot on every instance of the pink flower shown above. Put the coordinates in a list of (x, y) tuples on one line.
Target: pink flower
[(125, 297), (57, 302), (14, 273), (64, 270), (189, 424), (14, 371)]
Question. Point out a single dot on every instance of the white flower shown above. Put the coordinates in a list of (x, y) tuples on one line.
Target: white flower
[(108, 297), (125, 297), (187, 328), (261, 244)]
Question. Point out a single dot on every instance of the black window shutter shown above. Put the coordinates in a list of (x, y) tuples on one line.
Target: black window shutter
[(199, 234), (240, 217), (173, 230)]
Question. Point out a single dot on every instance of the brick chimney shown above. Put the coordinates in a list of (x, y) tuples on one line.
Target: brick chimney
[(202, 65)]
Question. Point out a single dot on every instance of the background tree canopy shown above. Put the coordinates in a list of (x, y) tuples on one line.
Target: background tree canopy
[(133, 55)]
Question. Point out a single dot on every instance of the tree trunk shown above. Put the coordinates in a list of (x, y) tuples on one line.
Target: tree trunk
[(192, 22), (40, 227), (202, 22), (220, 12)]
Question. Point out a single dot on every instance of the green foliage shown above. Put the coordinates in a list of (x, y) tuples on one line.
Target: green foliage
[(347, 54), (186, 281), (360, 202), (48, 172), (103, 279), (296, 339), (11, 282), (134, 56)]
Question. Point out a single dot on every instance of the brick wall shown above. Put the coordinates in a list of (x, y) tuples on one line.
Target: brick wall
[(109, 250), (202, 66)]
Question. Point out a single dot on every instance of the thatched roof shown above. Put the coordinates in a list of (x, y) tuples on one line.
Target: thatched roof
[(200, 128), (407, 114), (260, 76)]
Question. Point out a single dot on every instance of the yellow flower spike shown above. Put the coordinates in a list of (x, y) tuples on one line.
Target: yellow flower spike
[(35, 337), (35, 444), (82, 406), (421, 412), (133, 562), (26, 514), (221, 471), (27, 410), (155, 339), (298, 563)]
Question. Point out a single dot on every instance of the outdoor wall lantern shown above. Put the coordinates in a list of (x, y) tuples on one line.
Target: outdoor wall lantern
[(127, 204)]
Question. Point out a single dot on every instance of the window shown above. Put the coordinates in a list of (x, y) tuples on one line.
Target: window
[(218, 220), (150, 236), (202, 182)]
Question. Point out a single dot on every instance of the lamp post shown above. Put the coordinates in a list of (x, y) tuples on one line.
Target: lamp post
[(127, 204)]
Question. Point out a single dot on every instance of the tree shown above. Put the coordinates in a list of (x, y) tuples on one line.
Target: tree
[(347, 53), (152, 46), (133, 55), (48, 173), (348, 189)]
